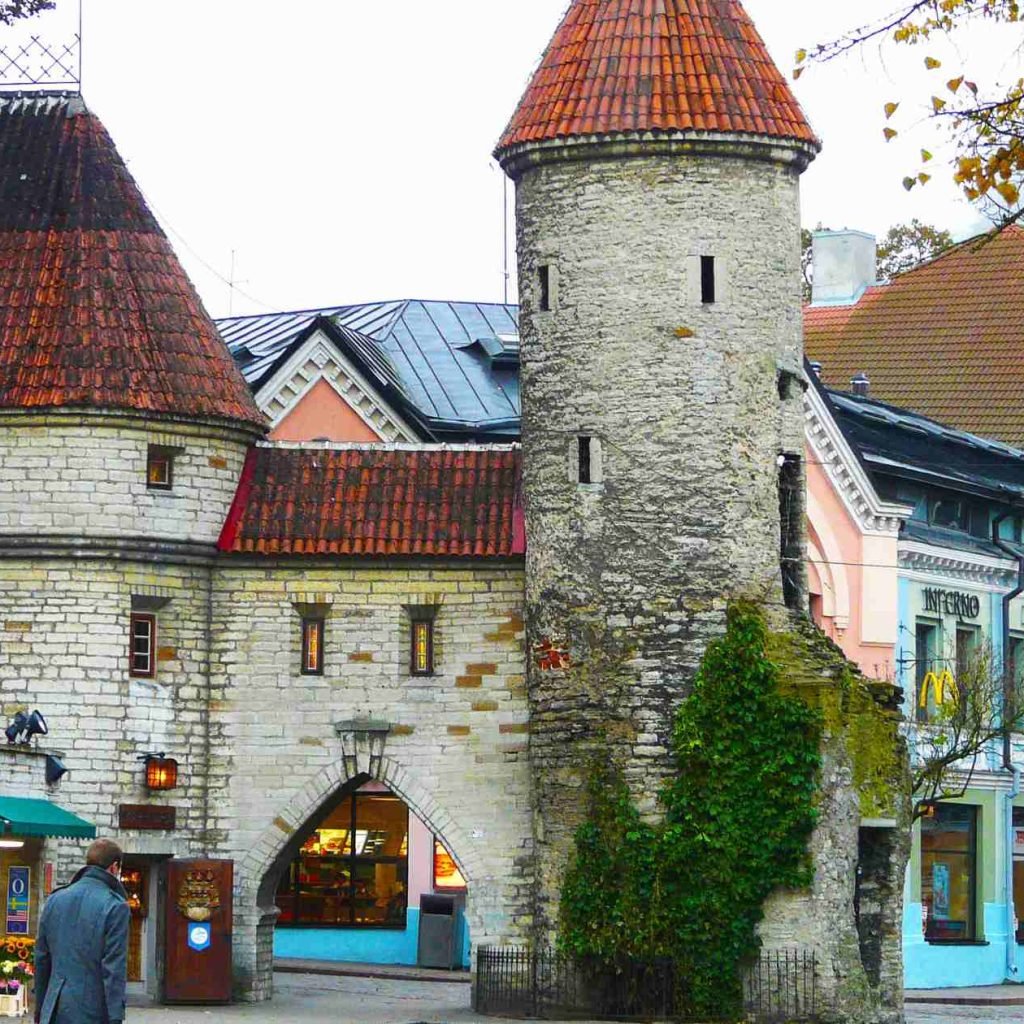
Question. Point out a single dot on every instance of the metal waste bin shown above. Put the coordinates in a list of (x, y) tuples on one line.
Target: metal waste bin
[(439, 933)]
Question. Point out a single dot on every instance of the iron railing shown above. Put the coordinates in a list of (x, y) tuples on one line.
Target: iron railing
[(514, 982)]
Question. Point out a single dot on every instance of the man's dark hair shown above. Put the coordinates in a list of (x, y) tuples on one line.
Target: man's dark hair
[(103, 853)]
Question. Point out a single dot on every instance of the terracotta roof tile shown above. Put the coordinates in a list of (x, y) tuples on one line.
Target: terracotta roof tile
[(95, 309), (945, 339), (376, 502), (618, 66)]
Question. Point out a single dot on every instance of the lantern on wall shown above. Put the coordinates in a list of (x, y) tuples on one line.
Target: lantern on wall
[(161, 772)]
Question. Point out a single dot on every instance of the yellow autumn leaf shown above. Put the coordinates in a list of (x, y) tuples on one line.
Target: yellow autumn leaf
[(1008, 191), (801, 56), (909, 183), (924, 178), (925, 155), (890, 109), (954, 83), (931, 63), (889, 133), (937, 103)]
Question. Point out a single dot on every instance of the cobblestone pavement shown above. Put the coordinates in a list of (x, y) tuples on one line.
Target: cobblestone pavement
[(924, 1013)]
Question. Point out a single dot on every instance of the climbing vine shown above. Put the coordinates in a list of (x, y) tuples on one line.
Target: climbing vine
[(739, 811)]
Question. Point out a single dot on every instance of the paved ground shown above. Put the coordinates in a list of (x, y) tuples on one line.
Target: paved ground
[(306, 999), (309, 999)]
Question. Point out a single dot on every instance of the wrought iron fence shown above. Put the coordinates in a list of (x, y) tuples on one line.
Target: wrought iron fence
[(514, 982)]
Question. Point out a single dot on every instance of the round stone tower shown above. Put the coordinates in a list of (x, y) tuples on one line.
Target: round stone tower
[(657, 155)]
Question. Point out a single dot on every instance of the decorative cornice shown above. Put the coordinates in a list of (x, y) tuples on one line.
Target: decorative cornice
[(955, 565), (319, 359), (846, 474)]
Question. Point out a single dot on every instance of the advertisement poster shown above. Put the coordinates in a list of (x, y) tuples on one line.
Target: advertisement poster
[(940, 891), (17, 900), (1018, 842)]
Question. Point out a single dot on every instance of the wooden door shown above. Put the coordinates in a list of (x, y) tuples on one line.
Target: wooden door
[(198, 919)]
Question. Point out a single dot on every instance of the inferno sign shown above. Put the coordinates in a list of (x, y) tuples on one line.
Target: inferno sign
[(952, 602)]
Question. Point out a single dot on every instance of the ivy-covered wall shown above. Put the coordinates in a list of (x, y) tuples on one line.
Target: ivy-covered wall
[(789, 771)]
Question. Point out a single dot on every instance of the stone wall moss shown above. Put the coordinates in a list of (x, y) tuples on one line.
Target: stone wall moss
[(739, 808)]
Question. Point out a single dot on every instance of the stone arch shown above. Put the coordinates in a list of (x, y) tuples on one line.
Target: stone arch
[(823, 537), (332, 781)]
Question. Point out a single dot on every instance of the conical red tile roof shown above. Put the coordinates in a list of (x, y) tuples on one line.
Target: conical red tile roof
[(618, 66), (95, 309)]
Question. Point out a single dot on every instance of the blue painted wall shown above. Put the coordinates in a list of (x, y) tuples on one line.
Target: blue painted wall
[(359, 945), (928, 965)]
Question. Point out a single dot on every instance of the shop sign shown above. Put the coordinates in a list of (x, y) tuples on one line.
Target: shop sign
[(199, 937), (146, 817), (943, 687), (18, 900), (952, 602)]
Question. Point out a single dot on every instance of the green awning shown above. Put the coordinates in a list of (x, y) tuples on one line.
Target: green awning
[(20, 816)]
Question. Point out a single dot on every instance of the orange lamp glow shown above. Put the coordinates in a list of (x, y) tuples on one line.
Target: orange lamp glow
[(161, 772)]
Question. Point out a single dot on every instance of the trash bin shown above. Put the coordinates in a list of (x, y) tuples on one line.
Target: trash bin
[(439, 933)]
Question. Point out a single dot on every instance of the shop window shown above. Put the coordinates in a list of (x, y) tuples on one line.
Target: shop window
[(312, 647), (948, 872), (926, 661), (1016, 670), (352, 871), (159, 468), (1018, 870), (446, 872), (966, 653), (142, 646)]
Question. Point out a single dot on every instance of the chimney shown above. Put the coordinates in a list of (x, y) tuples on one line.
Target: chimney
[(860, 385), (816, 368), (843, 266)]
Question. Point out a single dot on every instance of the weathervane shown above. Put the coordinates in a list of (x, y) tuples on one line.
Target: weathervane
[(43, 49)]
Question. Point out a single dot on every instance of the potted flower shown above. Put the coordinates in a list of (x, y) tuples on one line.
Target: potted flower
[(17, 968)]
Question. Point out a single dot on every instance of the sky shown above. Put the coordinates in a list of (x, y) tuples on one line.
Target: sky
[(333, 151)]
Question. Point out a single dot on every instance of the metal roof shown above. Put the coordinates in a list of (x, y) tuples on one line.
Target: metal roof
[(456, 363)]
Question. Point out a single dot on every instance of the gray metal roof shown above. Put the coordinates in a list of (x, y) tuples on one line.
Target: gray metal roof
[(456, 363)]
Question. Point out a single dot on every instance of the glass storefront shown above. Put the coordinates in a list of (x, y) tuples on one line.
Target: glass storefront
[(352, 871), (948, 872)]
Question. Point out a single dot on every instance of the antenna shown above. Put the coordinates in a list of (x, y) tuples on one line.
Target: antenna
[(232, 282), (43, 48)]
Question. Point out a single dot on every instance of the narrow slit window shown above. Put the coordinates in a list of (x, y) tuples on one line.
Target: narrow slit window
[(791, 513), (159, 468), (586, 469), (707, 279), (312, 647), (422, 647), (544, 277), (142, 649)]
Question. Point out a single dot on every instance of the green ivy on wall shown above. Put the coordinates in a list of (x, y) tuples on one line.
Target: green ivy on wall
[(739, 811)]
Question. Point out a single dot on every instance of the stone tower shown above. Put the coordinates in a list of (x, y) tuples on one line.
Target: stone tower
[(656, 154), (124, 425)]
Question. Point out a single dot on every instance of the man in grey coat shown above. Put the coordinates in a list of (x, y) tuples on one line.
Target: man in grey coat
[(82, 945)]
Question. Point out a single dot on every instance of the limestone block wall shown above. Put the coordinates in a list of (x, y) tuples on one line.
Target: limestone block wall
[(457, 747), (64, 641), (628, 576), (85, 475)]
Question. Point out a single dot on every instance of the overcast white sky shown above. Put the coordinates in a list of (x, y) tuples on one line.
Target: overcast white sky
[(342, 148)]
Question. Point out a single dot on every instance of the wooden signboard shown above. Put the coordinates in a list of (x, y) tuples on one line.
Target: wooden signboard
[(198, 915), (146, 817)]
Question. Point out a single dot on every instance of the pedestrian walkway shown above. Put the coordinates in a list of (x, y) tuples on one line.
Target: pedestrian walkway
[(985, 995)]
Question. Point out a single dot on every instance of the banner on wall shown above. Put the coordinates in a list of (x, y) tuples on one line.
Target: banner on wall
[(18, 900)]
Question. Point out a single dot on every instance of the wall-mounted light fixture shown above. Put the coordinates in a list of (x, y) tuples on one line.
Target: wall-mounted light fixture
[(23, 727), (11, 844), (161, 771), (55, 770)]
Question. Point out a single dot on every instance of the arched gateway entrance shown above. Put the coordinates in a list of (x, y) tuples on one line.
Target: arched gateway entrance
[(346, 881)]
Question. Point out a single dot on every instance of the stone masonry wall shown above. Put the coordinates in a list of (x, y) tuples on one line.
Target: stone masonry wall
[(457, 749), (68, 476), (627, 579), (64, 635)]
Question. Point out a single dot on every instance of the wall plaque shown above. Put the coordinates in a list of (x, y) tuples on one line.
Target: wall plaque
[(146, 817)]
